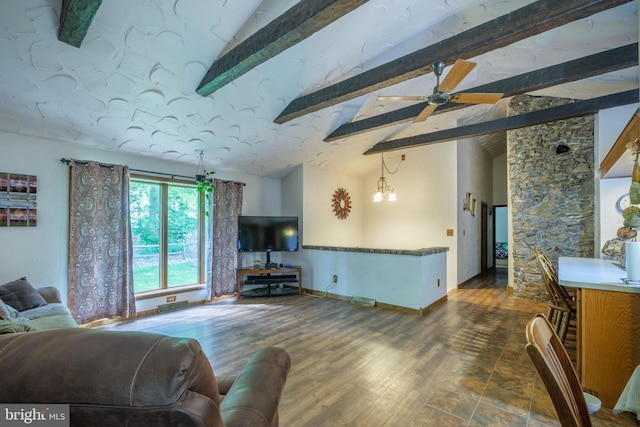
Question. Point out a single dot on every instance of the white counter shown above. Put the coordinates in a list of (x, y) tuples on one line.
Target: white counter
[(608, 312), (593, 273)]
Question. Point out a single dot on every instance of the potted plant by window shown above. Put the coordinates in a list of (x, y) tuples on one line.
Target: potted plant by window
[(204, 179), (206, 186)]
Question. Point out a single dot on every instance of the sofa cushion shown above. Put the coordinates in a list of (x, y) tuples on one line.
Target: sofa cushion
[(4, 311), (50, 316), (54, 321), (53, 309), (9, 327), (20, 295), (13, 315)]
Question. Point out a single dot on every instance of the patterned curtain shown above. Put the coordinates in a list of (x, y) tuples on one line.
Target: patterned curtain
[(100, 247), (223, 245)]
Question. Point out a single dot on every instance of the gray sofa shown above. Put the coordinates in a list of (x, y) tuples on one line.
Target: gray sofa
[(24, 308)]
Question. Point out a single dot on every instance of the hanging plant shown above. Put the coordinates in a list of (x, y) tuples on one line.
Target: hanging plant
[(206, 186), (204, 179)]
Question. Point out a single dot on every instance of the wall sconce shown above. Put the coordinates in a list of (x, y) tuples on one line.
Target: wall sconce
[(466, 202), (383, 189), (469, 204)]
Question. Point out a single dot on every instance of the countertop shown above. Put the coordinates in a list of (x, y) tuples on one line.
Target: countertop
[(593, 273), (412, 252)]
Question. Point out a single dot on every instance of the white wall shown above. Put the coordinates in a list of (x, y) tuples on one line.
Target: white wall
[(402, 280), (500, 180), (41, 252), (474, 172), (426, 207), (323, 227), (429, 203)]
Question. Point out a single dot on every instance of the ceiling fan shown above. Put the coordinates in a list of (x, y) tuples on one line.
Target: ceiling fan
[(441, 93)]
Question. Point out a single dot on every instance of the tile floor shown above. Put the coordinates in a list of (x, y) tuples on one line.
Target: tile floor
[(495, 383)]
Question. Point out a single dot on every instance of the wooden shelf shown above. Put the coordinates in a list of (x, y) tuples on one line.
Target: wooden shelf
[(618, 163)]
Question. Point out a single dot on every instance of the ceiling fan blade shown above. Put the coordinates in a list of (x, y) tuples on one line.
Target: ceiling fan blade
[(402, 98), (425, 113), (458, 72), (475, 98)]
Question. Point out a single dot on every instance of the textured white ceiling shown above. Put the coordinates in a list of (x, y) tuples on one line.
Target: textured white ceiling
[(131, 85)]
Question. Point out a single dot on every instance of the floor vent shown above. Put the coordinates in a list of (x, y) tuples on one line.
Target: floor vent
[(174, 306), (369, 302)]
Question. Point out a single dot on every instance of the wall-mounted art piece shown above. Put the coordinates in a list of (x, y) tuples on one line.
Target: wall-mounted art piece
[(18, 200)]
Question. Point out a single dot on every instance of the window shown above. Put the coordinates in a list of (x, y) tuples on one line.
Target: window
[(166, 226)]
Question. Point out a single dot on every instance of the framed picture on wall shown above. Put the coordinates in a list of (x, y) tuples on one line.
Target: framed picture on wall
[(18, 200)]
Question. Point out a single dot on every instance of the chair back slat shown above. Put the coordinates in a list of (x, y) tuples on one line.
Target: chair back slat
[(558, 294), (556, 370)]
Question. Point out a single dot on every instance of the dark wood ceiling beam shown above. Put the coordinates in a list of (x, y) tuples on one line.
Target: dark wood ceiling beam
[(578, 69), (293, 26), (548, 115), (536, 18), (75, 19)]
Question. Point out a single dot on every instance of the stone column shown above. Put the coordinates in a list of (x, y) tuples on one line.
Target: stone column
[(552, 195)]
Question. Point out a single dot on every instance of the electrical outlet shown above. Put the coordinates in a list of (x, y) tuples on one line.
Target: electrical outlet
[(172, 298), (335, 278)]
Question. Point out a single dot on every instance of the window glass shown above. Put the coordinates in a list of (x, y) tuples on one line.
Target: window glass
[(182, 236), (166, 236)]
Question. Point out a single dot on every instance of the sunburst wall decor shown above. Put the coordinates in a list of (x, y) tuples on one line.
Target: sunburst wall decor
[(341, 203)]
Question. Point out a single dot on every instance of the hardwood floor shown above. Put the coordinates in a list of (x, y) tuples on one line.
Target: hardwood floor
[(462, 364)]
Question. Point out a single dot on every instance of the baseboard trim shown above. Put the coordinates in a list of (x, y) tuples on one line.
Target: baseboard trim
[(430, 307), (414, 311)]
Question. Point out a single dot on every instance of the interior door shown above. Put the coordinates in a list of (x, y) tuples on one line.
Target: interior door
[(483, 238)]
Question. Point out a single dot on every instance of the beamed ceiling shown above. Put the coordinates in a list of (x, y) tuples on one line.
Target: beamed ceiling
[(263, 86)]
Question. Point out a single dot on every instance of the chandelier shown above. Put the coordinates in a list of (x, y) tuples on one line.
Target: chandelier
[(384, 190)]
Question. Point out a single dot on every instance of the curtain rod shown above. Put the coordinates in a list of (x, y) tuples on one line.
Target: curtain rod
[(172, 175), (84, 162)]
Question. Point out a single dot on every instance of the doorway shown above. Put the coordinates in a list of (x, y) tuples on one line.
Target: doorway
[(501, 237), (483, 238)]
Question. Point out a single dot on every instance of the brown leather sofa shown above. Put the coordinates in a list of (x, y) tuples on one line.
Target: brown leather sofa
[(118, 378)]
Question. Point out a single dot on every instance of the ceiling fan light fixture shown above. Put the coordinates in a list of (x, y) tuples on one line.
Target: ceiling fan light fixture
[(442, 92), (439, 98)]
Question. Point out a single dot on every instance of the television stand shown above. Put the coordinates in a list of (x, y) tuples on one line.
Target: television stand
[(268, 277)]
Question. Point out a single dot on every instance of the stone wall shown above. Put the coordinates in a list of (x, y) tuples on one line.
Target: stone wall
[(552, 195)]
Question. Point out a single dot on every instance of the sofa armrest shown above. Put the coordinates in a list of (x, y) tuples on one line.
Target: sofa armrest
[(225, 383), (50, 294), (254, 396)]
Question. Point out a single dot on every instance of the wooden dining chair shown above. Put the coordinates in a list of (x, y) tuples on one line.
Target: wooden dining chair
[(561, 310), (556, 370)]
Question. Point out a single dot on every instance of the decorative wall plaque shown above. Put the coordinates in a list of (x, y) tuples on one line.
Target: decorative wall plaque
[(341, 203), (18, 200)]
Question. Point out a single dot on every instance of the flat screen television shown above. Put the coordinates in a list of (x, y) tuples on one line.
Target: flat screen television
[(267, 234)]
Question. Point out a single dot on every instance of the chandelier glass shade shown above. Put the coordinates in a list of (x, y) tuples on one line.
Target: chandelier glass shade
[(384, 191)]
